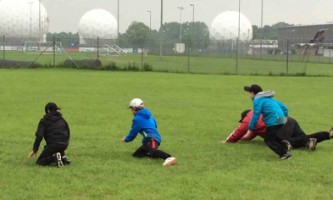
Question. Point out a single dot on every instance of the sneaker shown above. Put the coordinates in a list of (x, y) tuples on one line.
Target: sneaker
[(286, 156), (311, 144), (65, 160), (59, 161), (169, 161), (331, 132), (287, 145)]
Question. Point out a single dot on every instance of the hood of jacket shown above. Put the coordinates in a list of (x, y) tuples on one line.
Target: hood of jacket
[(145, 113), (265, 94), (53, 116)]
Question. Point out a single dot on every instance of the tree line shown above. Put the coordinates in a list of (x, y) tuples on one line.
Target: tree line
[(193, 34)]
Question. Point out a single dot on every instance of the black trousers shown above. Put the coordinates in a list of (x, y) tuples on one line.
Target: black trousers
[(46, 157), (298, 138), (150, 149), (273, 138)]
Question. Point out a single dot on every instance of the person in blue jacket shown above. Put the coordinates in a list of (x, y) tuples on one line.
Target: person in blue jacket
[(145, 124), (274, 115)]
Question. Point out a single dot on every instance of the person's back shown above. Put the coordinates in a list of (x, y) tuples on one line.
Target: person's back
[(274, 112), (56, 129), (145, 124)]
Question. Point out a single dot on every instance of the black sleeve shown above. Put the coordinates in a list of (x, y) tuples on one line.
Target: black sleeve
[(39, 136)]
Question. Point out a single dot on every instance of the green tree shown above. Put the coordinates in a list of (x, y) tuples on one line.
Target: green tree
[(193, 34), (197, 36), (67, 39), (137, 34), (256, 32), (275, 28), (171, 31), (268, 32)]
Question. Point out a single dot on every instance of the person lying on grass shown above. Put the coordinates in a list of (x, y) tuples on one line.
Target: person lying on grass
[(145, 124), (297, 137)]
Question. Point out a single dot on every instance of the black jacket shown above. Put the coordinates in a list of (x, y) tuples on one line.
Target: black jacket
[(54, 129)]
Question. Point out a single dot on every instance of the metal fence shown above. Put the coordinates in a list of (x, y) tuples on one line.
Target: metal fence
[(259, 57)]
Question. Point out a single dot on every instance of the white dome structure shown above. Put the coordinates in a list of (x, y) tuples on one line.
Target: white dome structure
[(225, 27), (98, 23), (21, 19)]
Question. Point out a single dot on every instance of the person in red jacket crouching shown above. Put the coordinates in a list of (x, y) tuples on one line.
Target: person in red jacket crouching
[(240, 132), (296, 136)]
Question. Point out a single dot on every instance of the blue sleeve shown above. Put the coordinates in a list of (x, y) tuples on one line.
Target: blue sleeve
[(257, 106), (136, 127), (284, 108)]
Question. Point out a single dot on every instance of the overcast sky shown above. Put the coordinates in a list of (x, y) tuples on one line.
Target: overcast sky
[(64, 15)]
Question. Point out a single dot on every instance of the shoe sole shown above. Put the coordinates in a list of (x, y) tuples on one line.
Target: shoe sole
[(66, 162), (312, 144), (169, 163), (286, 158), (59, 161)]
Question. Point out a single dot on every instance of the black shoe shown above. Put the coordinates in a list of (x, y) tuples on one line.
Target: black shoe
[(287, 145), (311, 144), (65, 160), (286, 156)]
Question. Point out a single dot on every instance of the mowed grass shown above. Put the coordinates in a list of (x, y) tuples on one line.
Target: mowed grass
[(273, 65), (194, 113)]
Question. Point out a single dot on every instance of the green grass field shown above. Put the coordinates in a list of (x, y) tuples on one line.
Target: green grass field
[(194, 113), (196, 64)]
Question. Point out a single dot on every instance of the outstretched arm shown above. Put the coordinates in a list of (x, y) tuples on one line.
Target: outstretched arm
[(136, 127), (39, 136), (238, 133)]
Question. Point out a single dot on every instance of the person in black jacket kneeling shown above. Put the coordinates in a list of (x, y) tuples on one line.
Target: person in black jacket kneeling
[(55, 130)]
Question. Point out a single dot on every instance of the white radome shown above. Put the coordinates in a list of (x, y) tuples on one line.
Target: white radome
[(98, 23), (225, 27), (20, 18)]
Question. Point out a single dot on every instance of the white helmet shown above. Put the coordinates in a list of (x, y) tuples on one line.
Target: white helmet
[(136, 103)]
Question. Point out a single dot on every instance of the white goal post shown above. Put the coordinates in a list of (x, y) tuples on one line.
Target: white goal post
[(31, 47)]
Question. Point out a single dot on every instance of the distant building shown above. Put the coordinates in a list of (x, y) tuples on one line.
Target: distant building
[(263, 47), (307, 39)]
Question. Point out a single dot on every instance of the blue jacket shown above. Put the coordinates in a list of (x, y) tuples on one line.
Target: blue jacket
[(145, 124), (273, 111)]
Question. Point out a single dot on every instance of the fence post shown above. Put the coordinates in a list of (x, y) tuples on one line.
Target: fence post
[(142, 49), (3, 48), (97, 48), (54, 46), (237, 55), (188, 54), (161, 33), (287, 62), (329, 56)]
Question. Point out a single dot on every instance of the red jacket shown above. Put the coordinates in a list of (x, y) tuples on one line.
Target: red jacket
[(260, 129)]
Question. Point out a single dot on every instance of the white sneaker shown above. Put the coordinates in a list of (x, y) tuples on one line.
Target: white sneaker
[(169, 161), (59, 161)]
